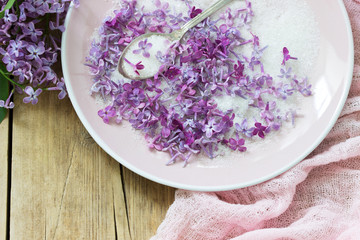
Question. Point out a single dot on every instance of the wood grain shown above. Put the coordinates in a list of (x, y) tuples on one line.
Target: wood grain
[(147, 203), (4, 136), (63, 185)]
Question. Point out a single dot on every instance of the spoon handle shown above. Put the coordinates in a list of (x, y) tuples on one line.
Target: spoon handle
[(193, 22)]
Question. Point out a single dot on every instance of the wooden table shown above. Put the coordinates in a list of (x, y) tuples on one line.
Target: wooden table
[(57, 183)]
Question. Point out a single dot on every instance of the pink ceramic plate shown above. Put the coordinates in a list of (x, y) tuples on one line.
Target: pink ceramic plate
[(331, 80)]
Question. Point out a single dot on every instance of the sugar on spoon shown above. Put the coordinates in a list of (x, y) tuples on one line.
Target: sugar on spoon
[(161, 38)]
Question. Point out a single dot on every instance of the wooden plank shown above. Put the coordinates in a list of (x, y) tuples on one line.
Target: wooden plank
[(4, 144), (147, 204), (63, 185)]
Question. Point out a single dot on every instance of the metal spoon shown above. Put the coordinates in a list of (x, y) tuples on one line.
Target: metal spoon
[(174, 36)]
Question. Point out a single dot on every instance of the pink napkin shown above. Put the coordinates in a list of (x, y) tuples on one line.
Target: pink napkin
[(317, 199)]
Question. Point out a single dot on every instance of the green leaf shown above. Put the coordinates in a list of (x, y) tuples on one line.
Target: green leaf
[(4, 91), (9, 4)]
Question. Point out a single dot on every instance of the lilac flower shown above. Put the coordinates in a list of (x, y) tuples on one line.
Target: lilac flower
[(192, 57), (253, 62), (32, 95), (9, 17), (157, 26), (190, 75), (194, 12), (266, 113), (233, 32), (211, 127), (172, 72), (144, 46), (284, 90), (56, 26), (255, 41), (287, 56), (285, 72), (238, 70), (162, 58), (136, 96), (258, 52), (107, 113), (57, 8), (103, 87), (23, 71), (237, 144), (259, 130), (225, 123), (189, 138), (249, 8), (189, 122), (304, 87), (30, 30), (22, 7), (202, 107), (143, 119), (10, 62), (35, 51), (124, 40), (243, 129), (97, 68), (176, 19), (122, 16), (153, 85), (138, 27), (136, 67), (50, 74), (4, 30), (42, 6), (227, 17), (60, 86), (161, 13), (50, 59), (273, 125), (154, 142), (15, 48), (129, 87), (186, 107)]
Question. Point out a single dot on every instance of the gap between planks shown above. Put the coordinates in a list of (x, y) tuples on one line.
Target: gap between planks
[(147, 204)]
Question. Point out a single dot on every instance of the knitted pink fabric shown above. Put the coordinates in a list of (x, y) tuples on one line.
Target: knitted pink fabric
[(317, 199)]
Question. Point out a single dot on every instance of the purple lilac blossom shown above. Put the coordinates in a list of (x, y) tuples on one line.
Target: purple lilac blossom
[(144, 47), (28, 51), (237, 144), (32, 95), (107, 113)]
